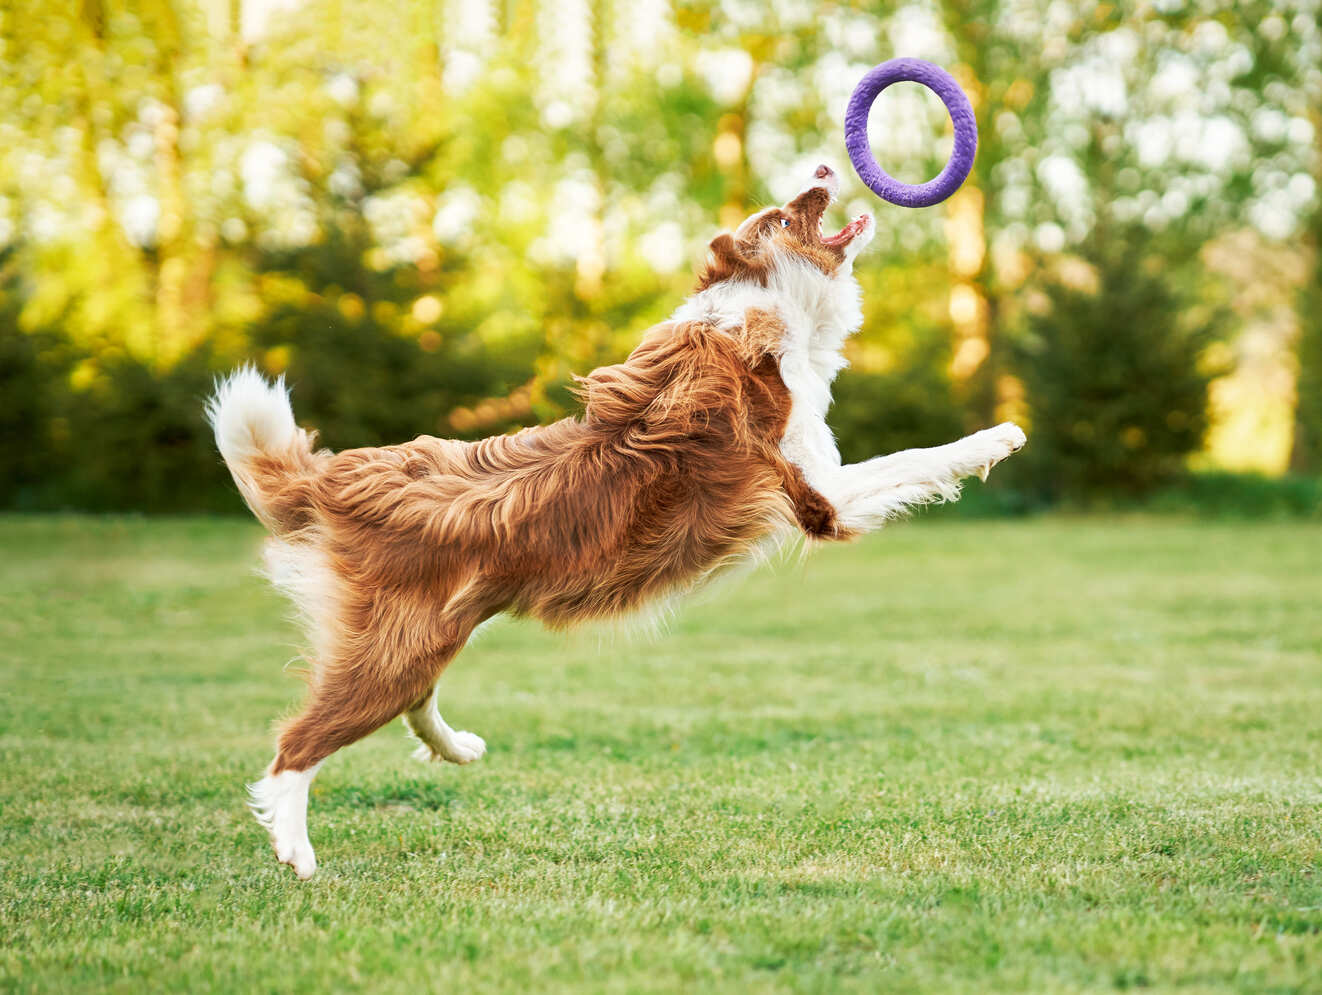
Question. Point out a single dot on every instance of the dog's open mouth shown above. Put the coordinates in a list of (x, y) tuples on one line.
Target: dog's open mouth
[(846, 234)]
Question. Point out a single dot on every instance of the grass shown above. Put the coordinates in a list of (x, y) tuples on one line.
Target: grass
[(1058, 755)]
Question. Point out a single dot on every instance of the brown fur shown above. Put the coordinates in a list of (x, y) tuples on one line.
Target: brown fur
[(673, 471)]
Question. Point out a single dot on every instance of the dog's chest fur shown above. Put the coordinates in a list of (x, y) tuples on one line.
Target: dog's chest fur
[(818, 313)]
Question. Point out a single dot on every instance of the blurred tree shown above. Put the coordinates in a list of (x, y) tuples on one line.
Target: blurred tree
[(1115, 374), (32, 370), (1306, 455), (1006, 55), (430, 214), (905, 407), (1171, 123)]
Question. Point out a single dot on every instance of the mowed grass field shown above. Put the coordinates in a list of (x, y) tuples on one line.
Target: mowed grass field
[(1057, 755)]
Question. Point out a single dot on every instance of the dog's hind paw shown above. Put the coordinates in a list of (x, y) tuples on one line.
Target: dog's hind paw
[(298, 855), (462, 748), (466, 748), (280, 803)]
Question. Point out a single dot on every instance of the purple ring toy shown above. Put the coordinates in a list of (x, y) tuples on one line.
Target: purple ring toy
[(944, 86)]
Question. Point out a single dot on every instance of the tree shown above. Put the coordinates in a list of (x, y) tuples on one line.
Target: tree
[(1114, 371), (480, 199), (1306, 456)]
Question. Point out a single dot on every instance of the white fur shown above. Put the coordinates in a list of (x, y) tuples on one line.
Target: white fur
[(867, 495), (280, 803), (250, 416), (300, 569), (724, 304), (439, 741), (819, 313), (824, 312), (253, 417)]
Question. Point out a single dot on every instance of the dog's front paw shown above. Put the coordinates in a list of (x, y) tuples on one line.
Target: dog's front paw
[(1009, 434), (995, 444)]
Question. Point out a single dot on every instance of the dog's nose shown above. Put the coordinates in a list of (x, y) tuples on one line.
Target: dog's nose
[(825, 178)]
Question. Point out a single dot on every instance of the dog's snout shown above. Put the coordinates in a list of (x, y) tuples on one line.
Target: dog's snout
[(825, 178)]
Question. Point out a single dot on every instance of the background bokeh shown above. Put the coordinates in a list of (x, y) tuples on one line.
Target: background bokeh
[(429, 213)]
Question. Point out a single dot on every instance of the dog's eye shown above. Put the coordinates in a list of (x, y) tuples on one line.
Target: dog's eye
[(784, 222)]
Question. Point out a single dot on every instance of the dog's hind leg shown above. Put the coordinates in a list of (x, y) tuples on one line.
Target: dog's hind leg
[(349, 699), (438, 741), (280, 803)]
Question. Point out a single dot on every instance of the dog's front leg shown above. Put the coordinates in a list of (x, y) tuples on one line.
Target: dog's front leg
[(867, 495)]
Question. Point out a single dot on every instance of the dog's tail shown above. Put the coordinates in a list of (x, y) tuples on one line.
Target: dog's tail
[(270, 457)]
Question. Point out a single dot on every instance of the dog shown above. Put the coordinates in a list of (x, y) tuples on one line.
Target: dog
[(707, 443)]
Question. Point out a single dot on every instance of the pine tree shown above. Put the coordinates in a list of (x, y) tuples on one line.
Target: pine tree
[(1114, 377)]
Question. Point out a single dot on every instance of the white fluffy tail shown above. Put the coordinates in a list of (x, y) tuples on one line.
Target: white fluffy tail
[(251, 417), (263, 447)]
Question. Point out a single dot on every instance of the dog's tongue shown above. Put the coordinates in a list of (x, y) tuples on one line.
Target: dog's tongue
[(845, 233)]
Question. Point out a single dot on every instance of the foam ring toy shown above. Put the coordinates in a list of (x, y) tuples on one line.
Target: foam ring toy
[(944, 86)]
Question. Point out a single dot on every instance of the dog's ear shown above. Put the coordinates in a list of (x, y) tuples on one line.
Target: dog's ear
[(724, 250), (728, 260)]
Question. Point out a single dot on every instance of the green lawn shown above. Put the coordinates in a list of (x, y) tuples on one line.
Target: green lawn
[(1070, 754)]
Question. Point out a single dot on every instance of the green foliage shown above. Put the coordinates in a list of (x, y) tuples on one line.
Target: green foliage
[(136, 440), (103, 431), (1010, 757), (1307, 455), (1203, 494), (30, 396), (367, 372), (415, 215), (132, 438), (1114, 378), (1242, 496)]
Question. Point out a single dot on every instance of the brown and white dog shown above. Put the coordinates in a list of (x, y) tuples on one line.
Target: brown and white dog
[(708, 441)]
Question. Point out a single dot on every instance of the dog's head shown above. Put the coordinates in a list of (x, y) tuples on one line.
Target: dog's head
[(792, 234)]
